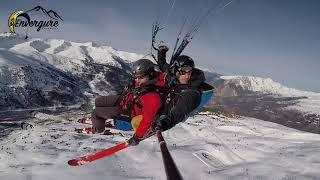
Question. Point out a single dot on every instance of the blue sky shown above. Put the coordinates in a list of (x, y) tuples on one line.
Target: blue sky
[(279, 39)]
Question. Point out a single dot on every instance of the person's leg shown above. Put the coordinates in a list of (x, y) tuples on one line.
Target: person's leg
[(99, 116), (106, 101)]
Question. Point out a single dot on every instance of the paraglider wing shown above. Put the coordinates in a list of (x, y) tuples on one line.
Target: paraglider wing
[(12, 21)]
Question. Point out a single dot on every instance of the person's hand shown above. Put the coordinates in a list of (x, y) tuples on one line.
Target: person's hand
[(163, 123), (170, 79), (134, 140), (163, 48)]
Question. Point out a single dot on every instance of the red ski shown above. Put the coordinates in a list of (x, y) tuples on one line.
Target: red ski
[(98, 155)]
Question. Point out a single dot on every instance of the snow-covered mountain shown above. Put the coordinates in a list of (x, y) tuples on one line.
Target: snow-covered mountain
[(262, 85), (268, 100), (36, 73)]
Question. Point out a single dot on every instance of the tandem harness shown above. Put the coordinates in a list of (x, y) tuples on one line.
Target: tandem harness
[(137, 93)]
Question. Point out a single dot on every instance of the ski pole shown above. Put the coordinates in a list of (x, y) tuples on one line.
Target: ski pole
[(171, 169)]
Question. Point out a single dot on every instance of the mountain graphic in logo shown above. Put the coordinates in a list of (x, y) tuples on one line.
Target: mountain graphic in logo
[(49, 13)]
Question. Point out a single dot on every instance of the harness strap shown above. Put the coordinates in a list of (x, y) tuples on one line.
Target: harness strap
[(137, 93)]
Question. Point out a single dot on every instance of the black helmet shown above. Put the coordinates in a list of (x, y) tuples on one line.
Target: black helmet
[(143, 67), (184, 61), (180, 62)]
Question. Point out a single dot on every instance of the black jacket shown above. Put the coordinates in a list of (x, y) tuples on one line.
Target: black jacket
[(181, 99)]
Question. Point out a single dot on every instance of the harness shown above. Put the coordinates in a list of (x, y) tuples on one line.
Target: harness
[(173, 96), (137, 93)]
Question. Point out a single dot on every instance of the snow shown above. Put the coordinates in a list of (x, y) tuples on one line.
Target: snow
[(65, 55), (11, 59), (72, 59), (7, 40), (310, 104), (75, 51), (70, 56), (236, 148), (93, 83), (264, 85)]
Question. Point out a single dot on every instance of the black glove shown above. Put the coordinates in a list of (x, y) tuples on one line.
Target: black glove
[(163, 123), (171, 79), (134, 140), (163, 48)]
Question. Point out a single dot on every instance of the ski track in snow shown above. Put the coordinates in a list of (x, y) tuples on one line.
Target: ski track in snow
[(204, 147)]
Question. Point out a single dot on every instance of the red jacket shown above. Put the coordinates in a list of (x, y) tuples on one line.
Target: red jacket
[(151, 103)]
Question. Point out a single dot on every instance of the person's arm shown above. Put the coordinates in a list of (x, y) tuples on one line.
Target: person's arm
[(151, 103), (187, 101), (162, 62)]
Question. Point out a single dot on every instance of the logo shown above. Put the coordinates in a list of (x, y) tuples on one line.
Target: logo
[(22, 19)]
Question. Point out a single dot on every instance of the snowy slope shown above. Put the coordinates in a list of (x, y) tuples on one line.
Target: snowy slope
[(235, 148)]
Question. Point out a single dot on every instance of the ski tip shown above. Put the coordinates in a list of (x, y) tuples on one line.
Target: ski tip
[(73, 162), (77, 162)]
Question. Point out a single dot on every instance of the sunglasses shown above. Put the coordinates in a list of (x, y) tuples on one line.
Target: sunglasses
[(182, 72)]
